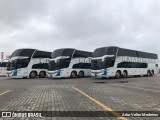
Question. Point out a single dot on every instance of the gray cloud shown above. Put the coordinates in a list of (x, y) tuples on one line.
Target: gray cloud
[(81, 24)]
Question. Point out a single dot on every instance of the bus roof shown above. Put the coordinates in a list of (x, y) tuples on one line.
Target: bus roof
[(70, 52), (114, 50), (28, 52), (23, 52)]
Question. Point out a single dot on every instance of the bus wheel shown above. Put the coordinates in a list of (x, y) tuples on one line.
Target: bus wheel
[(81, 74), (73, 74), (42, 74), (148, 73), (33, 74), (118, 75), (124, 73)]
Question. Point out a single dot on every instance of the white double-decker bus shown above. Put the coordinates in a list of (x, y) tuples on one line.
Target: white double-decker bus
[(119, 62), (28, 63), (68, 62), (3, 67)]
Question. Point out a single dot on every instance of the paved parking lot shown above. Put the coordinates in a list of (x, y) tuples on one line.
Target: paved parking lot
[(81, 94)]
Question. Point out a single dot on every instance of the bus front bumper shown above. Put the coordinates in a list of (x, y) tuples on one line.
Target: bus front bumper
[(56, 74), (98, 73), (9, 73), (53, 74), (18, 75)]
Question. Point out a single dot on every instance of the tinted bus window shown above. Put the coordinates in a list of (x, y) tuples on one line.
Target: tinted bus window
[(84, 54), (40, 66), (62, 52), (147, 55), (82, 66), (4, 64), (105, 51), (42, 54), (23, 52), (126, 52), (132, 65)]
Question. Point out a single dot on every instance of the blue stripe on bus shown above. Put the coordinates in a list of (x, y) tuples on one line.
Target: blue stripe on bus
[(105, 71), (14, 72), (58, 72)]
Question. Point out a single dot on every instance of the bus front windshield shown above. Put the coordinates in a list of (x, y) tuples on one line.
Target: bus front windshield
[(98, 64), (59, 64), (18, 63)]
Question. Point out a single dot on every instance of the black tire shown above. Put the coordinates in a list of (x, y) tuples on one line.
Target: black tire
[(33, 74), (73, 74), (81, 74), (118, 75), (42, 74), (125, 74), (148, 73)]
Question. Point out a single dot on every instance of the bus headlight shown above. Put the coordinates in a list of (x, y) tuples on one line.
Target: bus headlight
[(9, 72)]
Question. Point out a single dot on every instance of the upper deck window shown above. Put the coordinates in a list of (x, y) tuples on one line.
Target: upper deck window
[(105, 51), (84, 54), (62, 52), (23, 52), (42, 54)]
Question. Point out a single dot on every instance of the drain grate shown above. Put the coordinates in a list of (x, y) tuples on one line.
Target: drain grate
[(100, 82), (123, 81)]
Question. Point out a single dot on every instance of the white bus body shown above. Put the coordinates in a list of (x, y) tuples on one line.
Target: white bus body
[(119, 62), (3, 67), (70, 63), (28, 63)]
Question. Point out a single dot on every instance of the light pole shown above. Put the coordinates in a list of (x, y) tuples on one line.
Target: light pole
[(2, 53)]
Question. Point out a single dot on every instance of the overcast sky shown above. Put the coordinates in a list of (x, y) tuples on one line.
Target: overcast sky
[(80, 24)]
